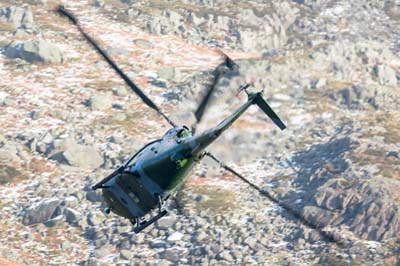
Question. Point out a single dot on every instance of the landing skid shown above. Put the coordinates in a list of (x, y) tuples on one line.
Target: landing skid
[(142, 225)]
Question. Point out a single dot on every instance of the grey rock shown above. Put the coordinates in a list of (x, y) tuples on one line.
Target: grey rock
[(356, 95), (157, 243), (126, 254), (98, 3), (167, 73), (19, 17), (166, 222), (119, 117), (124, 228), (202, 236), (35, 51), (158, 82), (142, 43), (174, 254), (385, 75), (103, 251), (394, 154), (71, 201), (83, 156), (61, 144), (201, 198), (313, 236), (225, 255), (66, 245), (171, 96), (176, 236), (55, 221), (96, 218), (72, 216), (101, 102), (129, 1), (137, 239), (8, 152), (117, 51), (41, 211), (318, 83), (120, 91), (125, 244)]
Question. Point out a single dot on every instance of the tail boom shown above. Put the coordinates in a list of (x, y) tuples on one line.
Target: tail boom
[(200, 142)]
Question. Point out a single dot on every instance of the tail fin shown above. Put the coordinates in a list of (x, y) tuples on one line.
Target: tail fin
[(268, 111)]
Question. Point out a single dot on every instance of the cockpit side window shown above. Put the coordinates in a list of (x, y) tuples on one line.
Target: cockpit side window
[(184, 133)]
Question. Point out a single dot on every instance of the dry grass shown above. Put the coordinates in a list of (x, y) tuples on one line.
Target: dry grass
[(5, 26), (218, 200), (9, 174)]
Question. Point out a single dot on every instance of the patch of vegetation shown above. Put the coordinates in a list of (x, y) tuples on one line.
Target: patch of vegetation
[(212, 199), (9, 174)]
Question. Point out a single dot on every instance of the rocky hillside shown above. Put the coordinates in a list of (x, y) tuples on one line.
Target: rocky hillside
[(330, 69)]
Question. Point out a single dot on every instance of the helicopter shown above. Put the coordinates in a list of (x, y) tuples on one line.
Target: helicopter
[(142, 185)]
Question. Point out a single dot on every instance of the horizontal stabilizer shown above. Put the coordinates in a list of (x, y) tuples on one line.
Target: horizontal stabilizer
[(268, 111)]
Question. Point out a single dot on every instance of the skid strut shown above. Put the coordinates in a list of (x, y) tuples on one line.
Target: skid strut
[(142, 225)]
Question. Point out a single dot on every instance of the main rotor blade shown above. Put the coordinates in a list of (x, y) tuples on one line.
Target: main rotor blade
[(220, 71), (127, 80), (287, 207)]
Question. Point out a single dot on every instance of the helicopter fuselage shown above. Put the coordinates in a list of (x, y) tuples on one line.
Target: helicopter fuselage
[(161, 167), (154, 173)]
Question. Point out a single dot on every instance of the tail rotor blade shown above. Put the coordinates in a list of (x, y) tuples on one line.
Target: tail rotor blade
[(268, 111), (127, 80)]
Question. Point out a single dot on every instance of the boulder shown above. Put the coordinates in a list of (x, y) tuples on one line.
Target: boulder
[(72, 216), (96, 218), (41, 211), (385, 75), (8, 152), (20, 18), (143, 43), (126, 254), (35, 51), (176, 236), (167, 73), (174, 254), (83, 156), (166, 222), (101, 102), (98, 3)]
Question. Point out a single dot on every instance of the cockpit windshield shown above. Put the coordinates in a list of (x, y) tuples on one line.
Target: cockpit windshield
[(179, 132)]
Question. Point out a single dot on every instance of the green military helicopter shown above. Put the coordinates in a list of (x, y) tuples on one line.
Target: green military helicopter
[(142, 184)]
